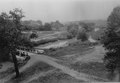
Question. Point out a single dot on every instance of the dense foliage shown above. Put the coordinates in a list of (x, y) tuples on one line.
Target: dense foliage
[(11, 37), (47, 27), (87, 26), (72, 31), (34, 35), (111, 41), (10, 33), (37, 25), (82, 35), (77, 31)]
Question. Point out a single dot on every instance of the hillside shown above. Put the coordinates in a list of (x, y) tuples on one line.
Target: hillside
[(97, 22)]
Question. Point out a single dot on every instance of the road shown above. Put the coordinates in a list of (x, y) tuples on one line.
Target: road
[(53, 62)]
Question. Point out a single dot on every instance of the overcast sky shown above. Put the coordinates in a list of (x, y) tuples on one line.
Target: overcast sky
[(62, 10)]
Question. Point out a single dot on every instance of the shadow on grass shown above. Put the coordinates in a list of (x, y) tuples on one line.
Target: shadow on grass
[(11, 70), (34, 69), (7, 72)]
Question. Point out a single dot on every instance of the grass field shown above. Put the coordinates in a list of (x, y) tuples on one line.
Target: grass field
[(32, 70), (56, 77), (11, 70), (7, 72), (78, 48), (91, 68)]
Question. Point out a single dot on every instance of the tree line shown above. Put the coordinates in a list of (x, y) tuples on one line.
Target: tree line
[(111, 42), (38, 25)]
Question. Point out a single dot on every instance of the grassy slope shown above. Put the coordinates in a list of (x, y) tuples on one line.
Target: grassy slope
[(34, 69), (78, 48), (92, 68), (7, 72), (56, 77), (11, 70)]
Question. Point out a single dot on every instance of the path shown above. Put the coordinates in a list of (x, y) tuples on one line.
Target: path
[(65, 69)]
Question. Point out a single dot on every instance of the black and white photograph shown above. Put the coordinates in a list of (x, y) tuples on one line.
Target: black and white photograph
[(59, 41)]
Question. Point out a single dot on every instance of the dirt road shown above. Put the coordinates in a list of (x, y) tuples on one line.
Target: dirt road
[(51, 61)]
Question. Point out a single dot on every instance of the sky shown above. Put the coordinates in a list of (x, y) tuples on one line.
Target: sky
[(62, 10)]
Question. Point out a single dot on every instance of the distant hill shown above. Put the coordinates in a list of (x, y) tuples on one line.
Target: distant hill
[(37, 25), (97, 22), (32, 23)]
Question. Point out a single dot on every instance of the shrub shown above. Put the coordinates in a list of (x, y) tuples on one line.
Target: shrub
[(82, 35), (72, 31), (33, 35)]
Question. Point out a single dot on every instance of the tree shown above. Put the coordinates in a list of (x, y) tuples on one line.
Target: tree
[(10, 35), (47, 27), (33, 35), (82, 35), (56, 26), (32, 25), (87, 26), (111, 41), (72, 31)]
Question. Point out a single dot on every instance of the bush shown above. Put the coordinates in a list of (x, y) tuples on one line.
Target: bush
[(72, 31), (82, 35), (47, 27), (33, 35), (69, 36), (4, 56)]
